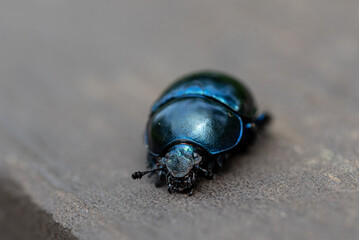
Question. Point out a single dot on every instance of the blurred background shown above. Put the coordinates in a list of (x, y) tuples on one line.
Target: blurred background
[(77, 79)]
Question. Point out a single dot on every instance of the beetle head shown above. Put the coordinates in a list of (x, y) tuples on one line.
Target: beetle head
[(180, 161), (181, 164)]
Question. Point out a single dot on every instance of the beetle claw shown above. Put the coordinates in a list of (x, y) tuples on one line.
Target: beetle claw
[(209, 175)]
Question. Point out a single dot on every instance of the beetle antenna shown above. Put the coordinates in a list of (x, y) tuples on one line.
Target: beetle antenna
[(139, 174)]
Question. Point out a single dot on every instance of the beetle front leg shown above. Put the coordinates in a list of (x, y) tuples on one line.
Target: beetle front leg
[(169, 189), (161, 179)]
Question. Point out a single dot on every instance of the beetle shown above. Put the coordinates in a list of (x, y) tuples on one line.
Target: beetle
[(197, 124)]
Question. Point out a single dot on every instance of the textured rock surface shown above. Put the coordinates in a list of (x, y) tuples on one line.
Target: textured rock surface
[(77, 79)]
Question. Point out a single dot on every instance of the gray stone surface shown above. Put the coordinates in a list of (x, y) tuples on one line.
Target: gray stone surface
[(77, 79)]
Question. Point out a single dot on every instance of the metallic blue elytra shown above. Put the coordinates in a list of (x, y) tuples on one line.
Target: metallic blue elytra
[(218, 86), (198, 120), (195, 125)]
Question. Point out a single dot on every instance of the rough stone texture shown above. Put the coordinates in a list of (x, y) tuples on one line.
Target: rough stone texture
[(77, 79)]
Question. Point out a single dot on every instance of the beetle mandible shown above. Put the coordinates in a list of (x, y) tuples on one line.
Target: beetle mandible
[(195, 125)]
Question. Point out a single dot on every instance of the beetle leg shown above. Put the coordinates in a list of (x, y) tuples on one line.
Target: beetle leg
[(262, 120), (222, 158), (219, 161), (161, 179), (210, 168), (190, 192), (249, 135), (204, 171), (207, 173)]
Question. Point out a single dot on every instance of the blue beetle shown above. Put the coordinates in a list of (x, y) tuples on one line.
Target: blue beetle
[(196, 124)]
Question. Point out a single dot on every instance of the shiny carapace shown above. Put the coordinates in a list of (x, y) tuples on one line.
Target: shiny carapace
[(195, 125)]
